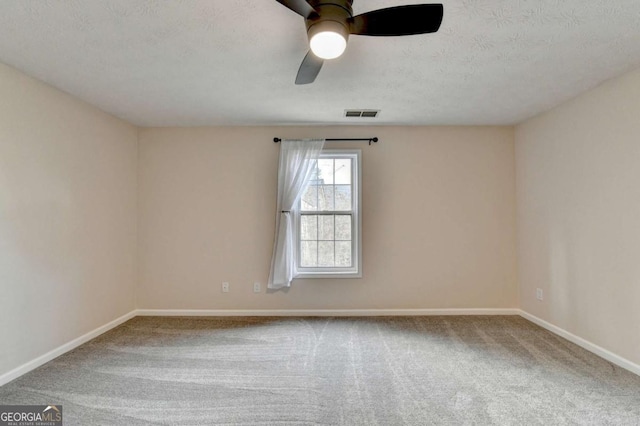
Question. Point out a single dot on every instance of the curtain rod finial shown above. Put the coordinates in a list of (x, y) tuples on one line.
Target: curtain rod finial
[(276, 140)]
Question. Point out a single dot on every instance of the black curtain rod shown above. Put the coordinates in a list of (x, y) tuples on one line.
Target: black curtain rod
[(374, 139)]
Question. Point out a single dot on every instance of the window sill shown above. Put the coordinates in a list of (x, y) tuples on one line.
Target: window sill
[(328, 275)]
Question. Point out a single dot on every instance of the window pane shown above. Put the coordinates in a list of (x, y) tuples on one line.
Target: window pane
[(343, 227), (325, 174), (313, 178), (343, 253), (343, 172), (325, 228), (325, 198), (343, 197), (325, 253), (309, 254), (310, 199), (309, 227)]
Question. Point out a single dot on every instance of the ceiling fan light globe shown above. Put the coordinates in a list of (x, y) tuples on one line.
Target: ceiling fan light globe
[(328, 44)]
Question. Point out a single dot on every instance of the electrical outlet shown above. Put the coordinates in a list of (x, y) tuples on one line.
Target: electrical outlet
[(257, 287), (225, 287), (539, 294)]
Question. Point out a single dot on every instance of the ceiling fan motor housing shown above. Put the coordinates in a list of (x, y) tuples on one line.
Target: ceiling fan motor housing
[(332, 15)]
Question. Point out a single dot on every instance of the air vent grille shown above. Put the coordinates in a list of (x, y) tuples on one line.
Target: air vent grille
[(361, 113)]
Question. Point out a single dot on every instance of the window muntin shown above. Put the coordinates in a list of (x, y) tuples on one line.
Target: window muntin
[(329, 223)]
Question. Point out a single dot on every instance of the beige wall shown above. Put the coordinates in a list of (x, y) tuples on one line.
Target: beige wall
[(578, 186), (67, 218), (438, 219)]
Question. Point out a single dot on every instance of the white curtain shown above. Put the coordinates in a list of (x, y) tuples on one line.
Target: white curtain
[(298, 160)]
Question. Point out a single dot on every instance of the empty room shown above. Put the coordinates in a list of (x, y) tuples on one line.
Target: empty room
[(319, 212)]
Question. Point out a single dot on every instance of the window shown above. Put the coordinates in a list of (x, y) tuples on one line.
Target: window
[(329, 222)]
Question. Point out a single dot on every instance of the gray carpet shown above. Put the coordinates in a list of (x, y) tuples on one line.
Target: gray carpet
[(332, 371)]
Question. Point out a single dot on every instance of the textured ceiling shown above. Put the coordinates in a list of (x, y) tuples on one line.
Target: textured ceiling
[(233, 62)]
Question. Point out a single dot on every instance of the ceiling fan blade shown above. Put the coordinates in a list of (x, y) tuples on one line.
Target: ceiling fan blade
[(309, 69), (301, 7), (398, 21)]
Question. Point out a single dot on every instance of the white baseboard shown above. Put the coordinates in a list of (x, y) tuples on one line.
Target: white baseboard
[(43, 359), (319, 312), (585, 344)]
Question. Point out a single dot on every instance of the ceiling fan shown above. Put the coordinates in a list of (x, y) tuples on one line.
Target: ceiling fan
[(330, 22)]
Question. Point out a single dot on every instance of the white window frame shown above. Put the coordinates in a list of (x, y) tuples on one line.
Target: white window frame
[(355, 271)]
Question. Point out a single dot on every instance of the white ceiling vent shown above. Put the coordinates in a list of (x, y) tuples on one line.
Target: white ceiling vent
[(361, 113)]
